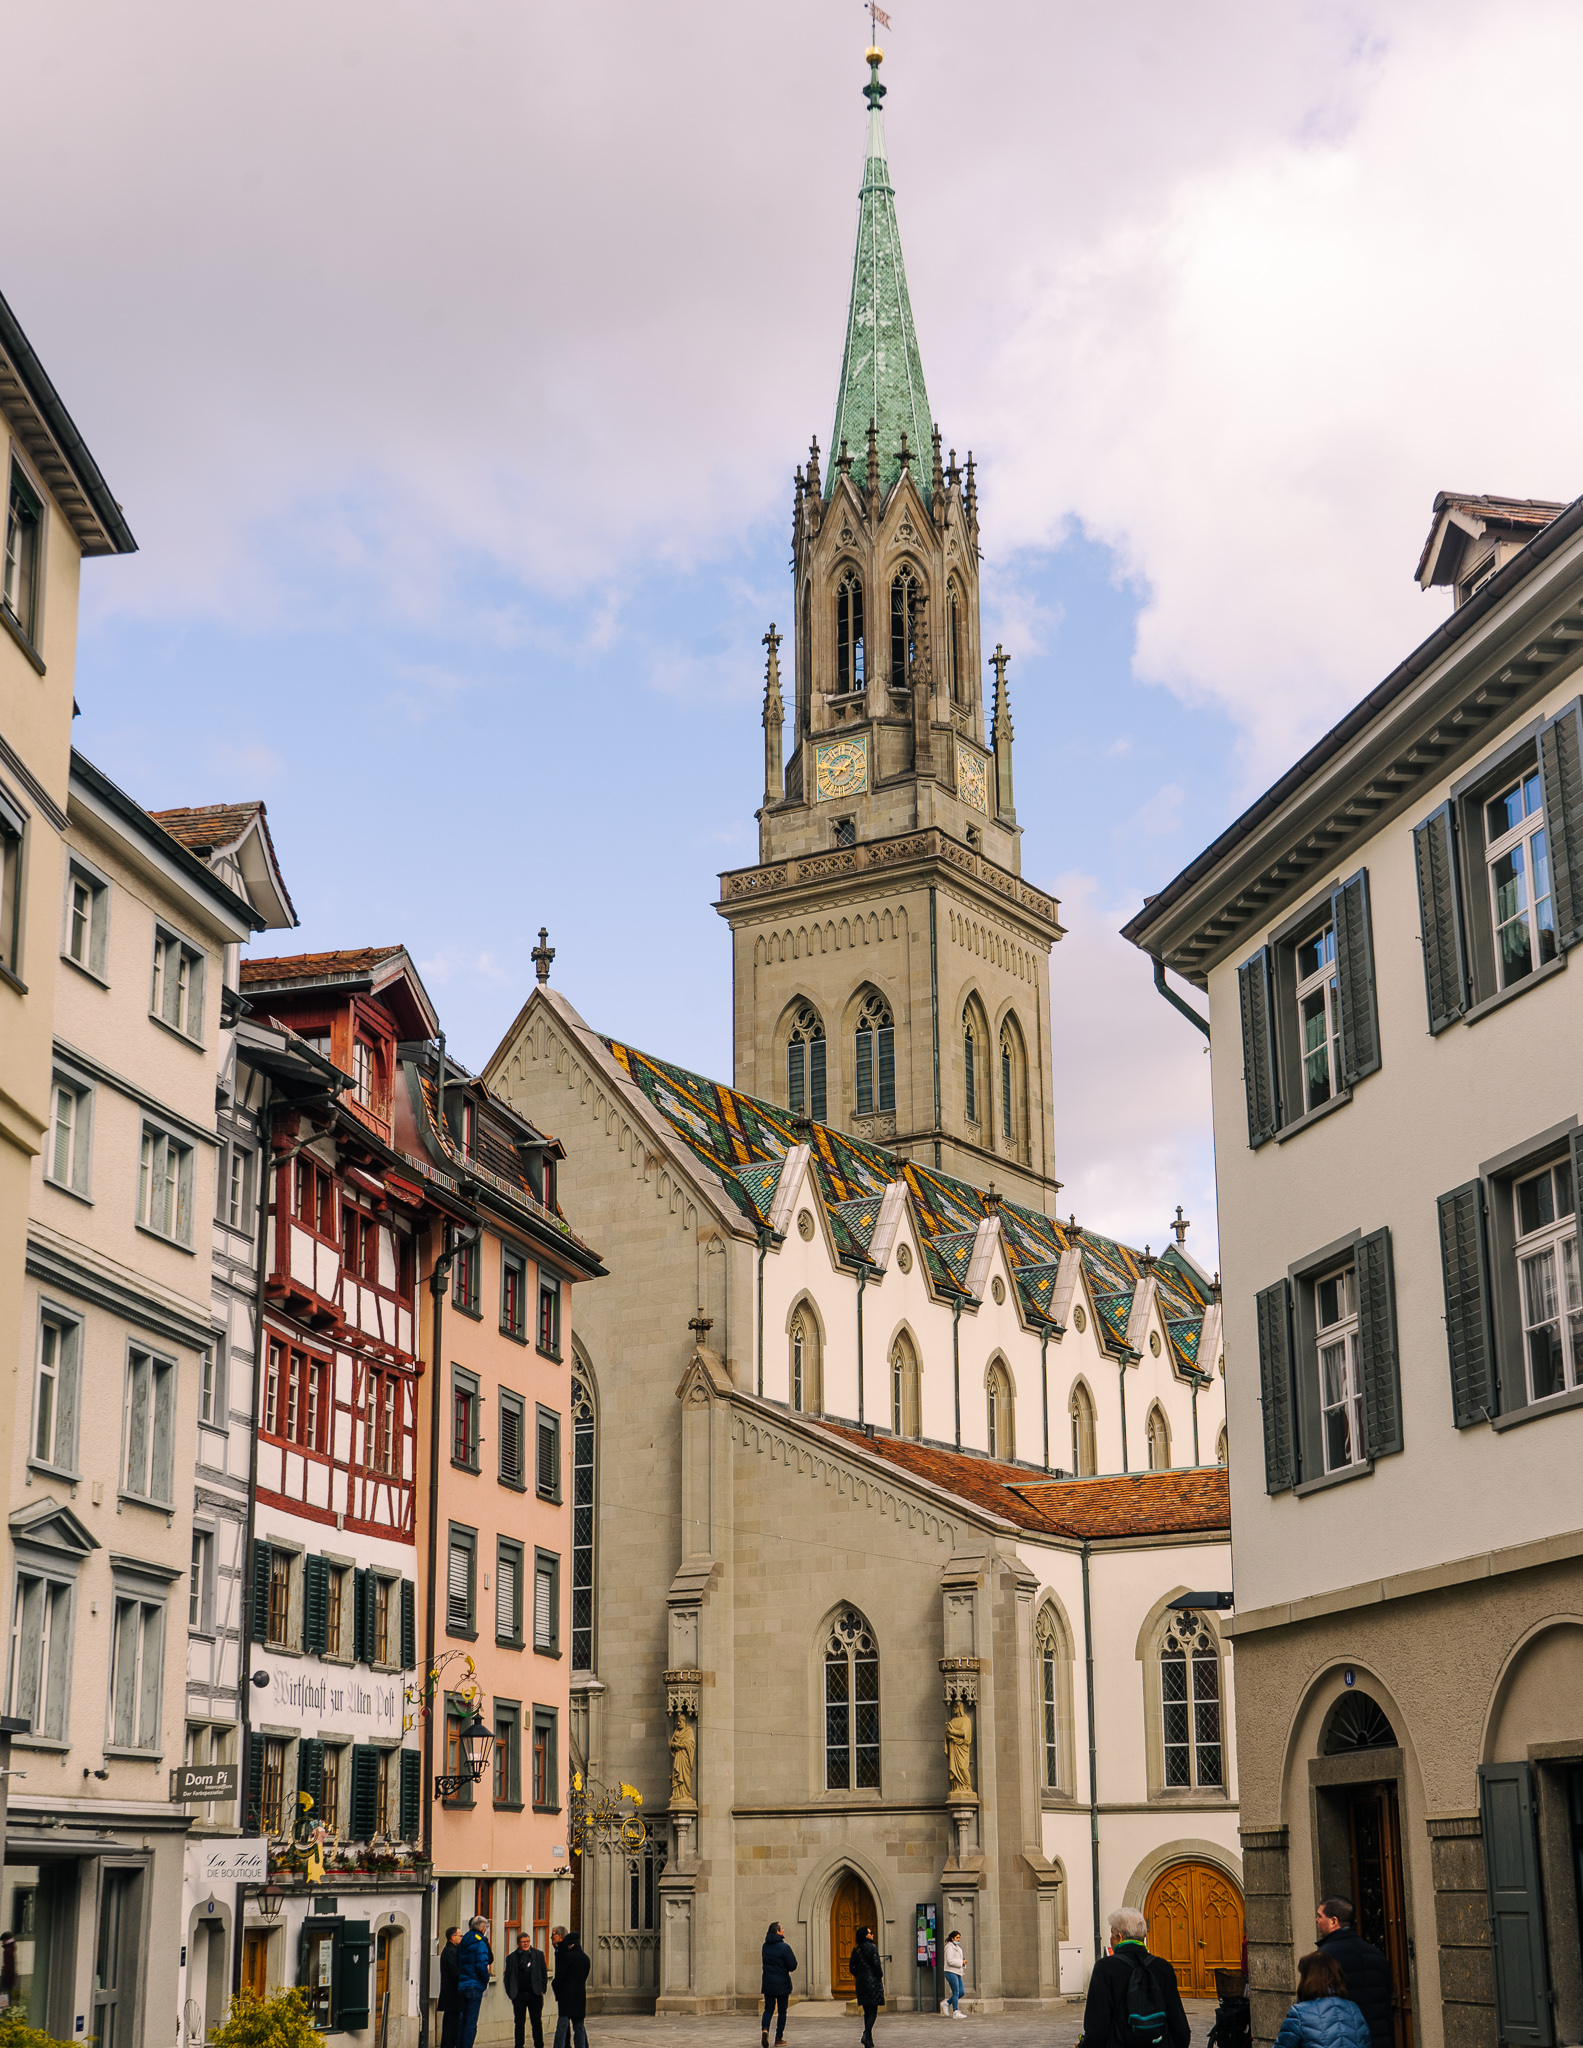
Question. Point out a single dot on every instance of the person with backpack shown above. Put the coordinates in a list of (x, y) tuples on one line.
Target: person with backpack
[(1133, 2000), (1323, 2016)]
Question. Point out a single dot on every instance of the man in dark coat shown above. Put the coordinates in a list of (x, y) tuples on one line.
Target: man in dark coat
[(779, 1962), (570, 1985), (1105, 2015), (449, 2003), (1366, 1970), (524, 1980), (868, 1980)]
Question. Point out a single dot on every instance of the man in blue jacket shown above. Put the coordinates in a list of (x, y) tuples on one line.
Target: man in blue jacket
[(474, 1962)]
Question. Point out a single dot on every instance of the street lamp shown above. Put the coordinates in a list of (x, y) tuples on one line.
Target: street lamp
[(270, 1900), (476, 1743)]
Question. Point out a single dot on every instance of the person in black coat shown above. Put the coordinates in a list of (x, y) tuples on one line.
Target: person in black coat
[(779, 1962), (570, 1985), (868, 1980), (449, 2002), (1367, 1971), (524, 1981), (1105, 2015)]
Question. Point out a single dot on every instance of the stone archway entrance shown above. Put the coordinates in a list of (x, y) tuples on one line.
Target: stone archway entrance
[(1195, 1921), (851, 1908)]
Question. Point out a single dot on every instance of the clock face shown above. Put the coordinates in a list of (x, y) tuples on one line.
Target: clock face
[(972, 784), (840, 768)]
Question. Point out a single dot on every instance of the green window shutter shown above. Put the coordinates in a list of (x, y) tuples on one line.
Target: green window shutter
[(261, 1592), (1274, 1307), (1360, 1016), (254, 1802), (365, 1620), (310, 1771), (411, 1794), (364, 1813), (349, 1988), (315, 1605), (1382, 1382), (1511, 1873), (1256, 987), (1440, 909), (409, 1625), (1464, 1263), (1561, 771)]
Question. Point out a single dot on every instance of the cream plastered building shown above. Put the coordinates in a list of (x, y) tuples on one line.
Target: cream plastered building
[(116, 1348), (1386, 940)]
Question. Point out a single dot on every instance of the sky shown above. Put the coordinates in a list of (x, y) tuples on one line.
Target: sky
[(452, 365)]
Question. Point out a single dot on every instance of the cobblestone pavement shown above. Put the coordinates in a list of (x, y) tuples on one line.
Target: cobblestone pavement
[(827, 2026)]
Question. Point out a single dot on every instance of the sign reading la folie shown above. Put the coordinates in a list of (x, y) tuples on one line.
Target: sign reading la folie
[(242, 1860)]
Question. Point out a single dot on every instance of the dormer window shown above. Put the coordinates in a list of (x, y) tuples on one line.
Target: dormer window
[(469, 1113), (363, 1072), (850, 664)]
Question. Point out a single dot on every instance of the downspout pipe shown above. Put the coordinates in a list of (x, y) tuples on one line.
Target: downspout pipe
[(1176, 1002), (934, 1028), (862, 1282), (1044, 1382), (1123, 1376), (1093, 1756), (766, 1238), (956, 1366)]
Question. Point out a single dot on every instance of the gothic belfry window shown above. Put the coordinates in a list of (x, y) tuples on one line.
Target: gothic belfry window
[(582, 1525), (851, 1705), (850, 660), (903, 627), (953, 646), (970, 1066), (876, 1058), (1008, 1121), (805, 1087)]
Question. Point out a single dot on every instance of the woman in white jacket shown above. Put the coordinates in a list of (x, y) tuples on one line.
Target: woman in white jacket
[(953, 1975)]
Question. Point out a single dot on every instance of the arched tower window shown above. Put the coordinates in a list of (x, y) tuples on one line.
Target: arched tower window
[(1008, 1116), (1159, 1440), (1221, 1447), (1002, 1413), (805, 1089), (1085, 1458), (584, 1474), (903, 626), (804, 666), (803, 1381), (905, 1392), (849, 641), (851, 1705), (1052, 1657), (1190, 1705), (955, 653), (970, 1065), (876, 1058)]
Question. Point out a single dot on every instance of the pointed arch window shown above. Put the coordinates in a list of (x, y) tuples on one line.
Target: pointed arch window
[(1190, 1705), (1049, 1647), (851, 1705), (1085, 1458), (1159, 1440), (970, 1066), (1002, 1414), (803, 1385), (954, 652), (805, 1077), (1008, 1065), (904, 608), (583, 1483), (876, 1058), (850, 649), (1221, 1448), (905, 1391)]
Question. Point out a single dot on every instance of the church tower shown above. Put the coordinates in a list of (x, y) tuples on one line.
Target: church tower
[(891, 968)]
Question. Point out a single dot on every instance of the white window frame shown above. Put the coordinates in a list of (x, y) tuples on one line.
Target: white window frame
[(1522, 839), (95, 933), (66, 1372), (1339, 1356), (68, 1147), (154, 1465), (1193, 1660), (166, 1168), (21, 565), (1553, 1241), (200, 1582), (236, 1200), (137, 1627), (1323, 983), (178, 1005), (48, 1708)]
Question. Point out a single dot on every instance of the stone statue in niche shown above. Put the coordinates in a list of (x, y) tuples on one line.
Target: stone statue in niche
[(684, 1745), (959, 1752)]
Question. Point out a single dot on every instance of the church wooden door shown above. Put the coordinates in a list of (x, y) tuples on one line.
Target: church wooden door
[(852, 1908), (1195, 1922)]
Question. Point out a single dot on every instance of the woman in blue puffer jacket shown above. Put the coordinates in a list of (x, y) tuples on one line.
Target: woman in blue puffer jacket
[(1324, 2016)]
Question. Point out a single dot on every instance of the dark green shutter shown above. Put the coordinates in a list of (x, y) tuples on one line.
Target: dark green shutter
[(1511, 1873), (1464, 1264), (365, 1815), (1360, 1015), (350, 1984), (1256, 987), (1382, 1381), (1561, 770), (1440, 911), (365, 1617), (252, 1817), (411, 1794), (1577, 1169), (1275, 1386), (310, 1772), (260, 1592), (315, 1605), (409, 1625)]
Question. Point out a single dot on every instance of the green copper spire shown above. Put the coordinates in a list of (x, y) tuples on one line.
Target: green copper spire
[(881, 371)]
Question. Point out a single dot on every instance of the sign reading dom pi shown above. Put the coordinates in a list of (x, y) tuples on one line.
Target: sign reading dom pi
[(204, 1781), (244, 1861)]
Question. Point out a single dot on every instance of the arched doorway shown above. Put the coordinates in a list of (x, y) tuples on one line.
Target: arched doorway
[(851, 1908), (1195, 1921)]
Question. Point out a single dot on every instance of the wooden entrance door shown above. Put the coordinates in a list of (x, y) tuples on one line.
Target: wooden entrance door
[(1379, 1894), (852, 1908), (1195, 1921), (255, 1963)]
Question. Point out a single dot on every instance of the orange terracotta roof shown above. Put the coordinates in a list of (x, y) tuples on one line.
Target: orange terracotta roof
[(202, 826), (310, 966), (1191, 1501)]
